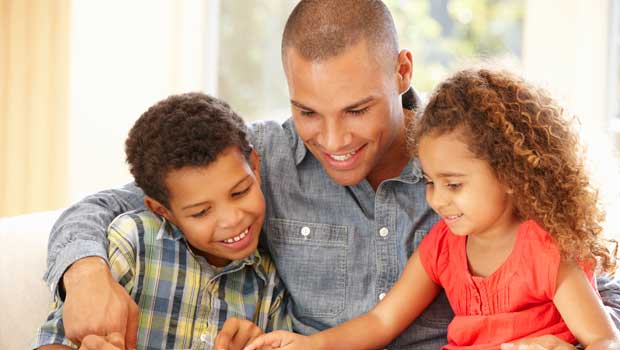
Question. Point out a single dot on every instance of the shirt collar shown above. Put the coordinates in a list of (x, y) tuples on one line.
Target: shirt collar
[(168, 230), (253, 260)]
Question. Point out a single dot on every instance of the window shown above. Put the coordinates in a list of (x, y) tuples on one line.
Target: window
[(442, 34), (614, 71)]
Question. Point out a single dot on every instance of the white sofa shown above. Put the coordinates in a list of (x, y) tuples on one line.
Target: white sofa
[(23, 294)]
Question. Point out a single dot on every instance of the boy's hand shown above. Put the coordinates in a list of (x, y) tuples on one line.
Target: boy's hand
[(235, 334), (96, 304), (282, 340), (545, 342)]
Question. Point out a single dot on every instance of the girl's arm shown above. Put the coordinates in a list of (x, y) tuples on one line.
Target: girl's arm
[(411, 294), (582, 309)]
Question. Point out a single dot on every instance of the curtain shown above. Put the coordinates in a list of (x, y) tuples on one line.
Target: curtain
[(34, 93)]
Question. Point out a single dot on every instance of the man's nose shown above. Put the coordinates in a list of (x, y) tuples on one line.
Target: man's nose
[(333, 136)]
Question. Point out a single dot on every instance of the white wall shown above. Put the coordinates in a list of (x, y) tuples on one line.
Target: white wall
[(566, 49), (125, 56)]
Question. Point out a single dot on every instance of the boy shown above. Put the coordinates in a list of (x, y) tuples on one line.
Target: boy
[(190, 260)]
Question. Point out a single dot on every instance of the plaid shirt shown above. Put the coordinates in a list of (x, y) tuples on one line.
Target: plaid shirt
[(182, 299)]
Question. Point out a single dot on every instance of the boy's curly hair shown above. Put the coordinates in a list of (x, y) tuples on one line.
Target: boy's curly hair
[(524, 135), (190, 129)]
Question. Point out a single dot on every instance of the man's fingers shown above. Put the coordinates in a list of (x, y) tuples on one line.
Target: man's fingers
[(131, 331), (117, 339), (96, 342)]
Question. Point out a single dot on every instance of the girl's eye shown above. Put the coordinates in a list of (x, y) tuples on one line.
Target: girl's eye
[(428, 182), (359, 111), (242, 192), (200, 214)]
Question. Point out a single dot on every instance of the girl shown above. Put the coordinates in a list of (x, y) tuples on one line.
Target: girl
[(520, 235)]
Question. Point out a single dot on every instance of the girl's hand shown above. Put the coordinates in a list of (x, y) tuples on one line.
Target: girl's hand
[(604, 344), (282, 340), (545, 342)]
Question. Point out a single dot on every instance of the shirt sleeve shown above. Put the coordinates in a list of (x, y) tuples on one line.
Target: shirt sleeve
[(430, 249), (609, 290), (52, 331), (81, 229)]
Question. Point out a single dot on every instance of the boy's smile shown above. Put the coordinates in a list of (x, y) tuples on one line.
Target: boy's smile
[(219, 208)]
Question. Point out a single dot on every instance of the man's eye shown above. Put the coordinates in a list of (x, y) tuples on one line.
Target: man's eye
[(306, 113), (200, 214), (358, 111)]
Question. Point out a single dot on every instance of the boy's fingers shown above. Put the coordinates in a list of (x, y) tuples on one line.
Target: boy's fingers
[(222, 341)]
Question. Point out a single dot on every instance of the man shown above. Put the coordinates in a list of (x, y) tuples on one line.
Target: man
[(345, 203)]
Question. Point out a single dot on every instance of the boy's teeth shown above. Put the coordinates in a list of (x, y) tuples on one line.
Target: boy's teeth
[(342, 157), (237, 238)]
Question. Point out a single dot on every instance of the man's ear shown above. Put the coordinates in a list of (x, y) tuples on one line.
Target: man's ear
[(404, 70), (156, 207)]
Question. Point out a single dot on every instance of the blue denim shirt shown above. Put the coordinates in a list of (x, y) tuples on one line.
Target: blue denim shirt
[(336, 248)]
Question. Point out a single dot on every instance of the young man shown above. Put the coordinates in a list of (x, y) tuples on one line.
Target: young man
[(345, 204), (190, 261)]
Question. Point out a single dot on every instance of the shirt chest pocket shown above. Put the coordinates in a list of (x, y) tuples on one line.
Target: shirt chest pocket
[(311, 259)]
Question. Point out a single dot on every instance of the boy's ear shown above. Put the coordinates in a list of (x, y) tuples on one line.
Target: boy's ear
[(156, 207)]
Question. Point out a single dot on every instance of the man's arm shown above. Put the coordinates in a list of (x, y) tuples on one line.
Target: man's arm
[(95, 303), (81, 229), (609, 289)]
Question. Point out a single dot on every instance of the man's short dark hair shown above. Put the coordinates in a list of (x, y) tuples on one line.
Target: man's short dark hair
[(191, 129), (321, 29)]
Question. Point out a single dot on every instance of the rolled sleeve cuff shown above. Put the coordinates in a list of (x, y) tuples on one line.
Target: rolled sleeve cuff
[(71, 253)]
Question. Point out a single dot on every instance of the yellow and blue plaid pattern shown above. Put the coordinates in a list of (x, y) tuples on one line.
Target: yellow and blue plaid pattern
[(183, 301)]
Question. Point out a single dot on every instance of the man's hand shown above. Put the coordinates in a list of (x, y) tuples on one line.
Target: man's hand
[(545, 342), (235, 334), (97, 342), (97, 305)]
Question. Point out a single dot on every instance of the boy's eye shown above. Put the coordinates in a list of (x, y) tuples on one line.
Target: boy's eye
[(427, 182), (242, 192), (358, 111), (454, 186), (201, 213)]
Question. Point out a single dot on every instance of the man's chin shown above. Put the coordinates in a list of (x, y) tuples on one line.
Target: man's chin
[(350, 179)]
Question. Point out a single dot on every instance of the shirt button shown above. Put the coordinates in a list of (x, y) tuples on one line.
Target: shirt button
[(383, 232), (381, 296), (305, 231), (204, 337)]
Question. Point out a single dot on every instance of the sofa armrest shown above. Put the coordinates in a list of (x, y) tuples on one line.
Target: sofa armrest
[(24, 295)]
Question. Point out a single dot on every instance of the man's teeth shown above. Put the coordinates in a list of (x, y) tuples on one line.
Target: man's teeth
[(342, 157), (237, 238), (451, 217)]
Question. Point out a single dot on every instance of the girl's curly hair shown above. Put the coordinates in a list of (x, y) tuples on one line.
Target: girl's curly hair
[(532, 147)]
